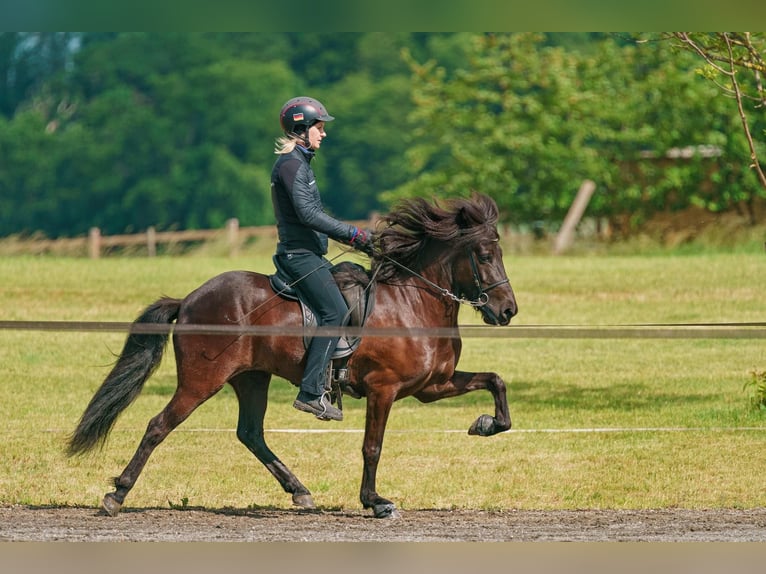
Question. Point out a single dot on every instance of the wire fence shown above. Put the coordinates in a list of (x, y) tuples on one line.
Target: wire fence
[(736, 330)]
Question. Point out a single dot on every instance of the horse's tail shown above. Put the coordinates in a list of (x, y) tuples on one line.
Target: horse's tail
[(140, 356)]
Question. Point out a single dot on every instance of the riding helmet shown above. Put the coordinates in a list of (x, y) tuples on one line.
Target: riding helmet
[(299, 114)]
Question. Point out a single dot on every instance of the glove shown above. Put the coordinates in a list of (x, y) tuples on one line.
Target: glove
[(362, 240)]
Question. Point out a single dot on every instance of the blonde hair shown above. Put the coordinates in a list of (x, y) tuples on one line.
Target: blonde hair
[(285, 145)]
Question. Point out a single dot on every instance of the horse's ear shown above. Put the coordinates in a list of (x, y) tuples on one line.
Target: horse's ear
[(461, 218)]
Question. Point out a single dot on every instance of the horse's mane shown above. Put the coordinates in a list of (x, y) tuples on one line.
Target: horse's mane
[(417, 223)]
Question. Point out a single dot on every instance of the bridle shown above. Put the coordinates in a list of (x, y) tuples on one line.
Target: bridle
[(481, 298)]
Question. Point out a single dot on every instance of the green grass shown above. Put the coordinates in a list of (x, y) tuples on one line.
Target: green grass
[(556, 388)]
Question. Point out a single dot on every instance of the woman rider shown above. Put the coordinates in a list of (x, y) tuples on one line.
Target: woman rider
[(303, 228)]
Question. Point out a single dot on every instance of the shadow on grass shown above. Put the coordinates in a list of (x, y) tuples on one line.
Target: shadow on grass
[(624, 396)]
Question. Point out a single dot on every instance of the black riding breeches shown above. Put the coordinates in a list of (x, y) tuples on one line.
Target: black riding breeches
[(310, 275)]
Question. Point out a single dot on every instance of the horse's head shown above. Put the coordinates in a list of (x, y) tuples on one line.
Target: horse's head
[(458, 236), (479, 272), (479, 277)]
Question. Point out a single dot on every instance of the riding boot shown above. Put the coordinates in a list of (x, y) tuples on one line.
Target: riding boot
[(320, 406), (314, 396)]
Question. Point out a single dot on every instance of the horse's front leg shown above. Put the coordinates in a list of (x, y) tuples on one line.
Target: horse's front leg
[(378, 409), (463, 382)]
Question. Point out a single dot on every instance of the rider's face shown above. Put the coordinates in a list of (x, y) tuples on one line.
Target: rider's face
[(316, 135)]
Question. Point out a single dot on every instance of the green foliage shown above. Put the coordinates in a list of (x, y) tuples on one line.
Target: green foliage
[(176, 130), (183, 505), (757, 385), (29, 63), (27, 170), (365, 150), (528, 121)]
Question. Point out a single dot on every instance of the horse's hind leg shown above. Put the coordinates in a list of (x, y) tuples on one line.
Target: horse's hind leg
[(177, 410), (252, 391)]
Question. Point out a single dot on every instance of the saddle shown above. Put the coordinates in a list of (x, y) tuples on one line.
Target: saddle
[(357, 289)]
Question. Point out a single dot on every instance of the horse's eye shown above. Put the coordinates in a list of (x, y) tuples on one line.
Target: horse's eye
[(485, 258)]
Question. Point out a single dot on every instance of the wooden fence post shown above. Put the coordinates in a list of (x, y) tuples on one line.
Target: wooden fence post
[(151, 241), (232, 235), (94, 243), (565, 235)]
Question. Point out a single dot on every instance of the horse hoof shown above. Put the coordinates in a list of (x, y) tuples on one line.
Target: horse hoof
[(483, 426), (387, 510), (303, 500), (110, 505)]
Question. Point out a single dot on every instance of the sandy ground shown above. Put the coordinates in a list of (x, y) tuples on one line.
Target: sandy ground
[(23, 523)]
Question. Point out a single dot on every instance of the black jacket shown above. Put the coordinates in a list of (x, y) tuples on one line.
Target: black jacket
[(302, 224)]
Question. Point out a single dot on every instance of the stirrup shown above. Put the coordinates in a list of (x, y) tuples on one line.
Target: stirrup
[(339, 375), (332, 383)]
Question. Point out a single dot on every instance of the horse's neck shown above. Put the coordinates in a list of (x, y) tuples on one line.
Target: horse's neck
[(425, 297)]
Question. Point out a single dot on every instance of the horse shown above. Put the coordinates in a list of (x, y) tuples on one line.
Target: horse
[(429, 257)]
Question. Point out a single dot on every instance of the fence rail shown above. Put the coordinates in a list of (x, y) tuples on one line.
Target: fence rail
[(95, 244), (742, 330), (233, 233)]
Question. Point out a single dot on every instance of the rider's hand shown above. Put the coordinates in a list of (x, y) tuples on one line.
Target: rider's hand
[(362, 240)]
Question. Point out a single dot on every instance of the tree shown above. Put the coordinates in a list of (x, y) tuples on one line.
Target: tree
[(734, 62), (514, 123), (27, 173), (172, 131), (528, 120), (29, 62), (128, 130)]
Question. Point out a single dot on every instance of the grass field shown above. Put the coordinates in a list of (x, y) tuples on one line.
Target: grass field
[(598, 422)]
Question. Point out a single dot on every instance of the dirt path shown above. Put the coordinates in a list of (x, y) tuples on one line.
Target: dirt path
[(22, 523)]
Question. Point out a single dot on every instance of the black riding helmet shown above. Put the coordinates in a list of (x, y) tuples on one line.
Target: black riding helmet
[(299, 114)]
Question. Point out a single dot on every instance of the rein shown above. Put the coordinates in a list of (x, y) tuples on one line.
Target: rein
[(481, 300), (289, 285)]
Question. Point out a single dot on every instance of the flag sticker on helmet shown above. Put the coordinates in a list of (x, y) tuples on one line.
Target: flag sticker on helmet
[(298, 117)]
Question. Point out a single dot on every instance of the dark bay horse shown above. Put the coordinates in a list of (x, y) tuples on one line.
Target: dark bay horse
[(430, 257)]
